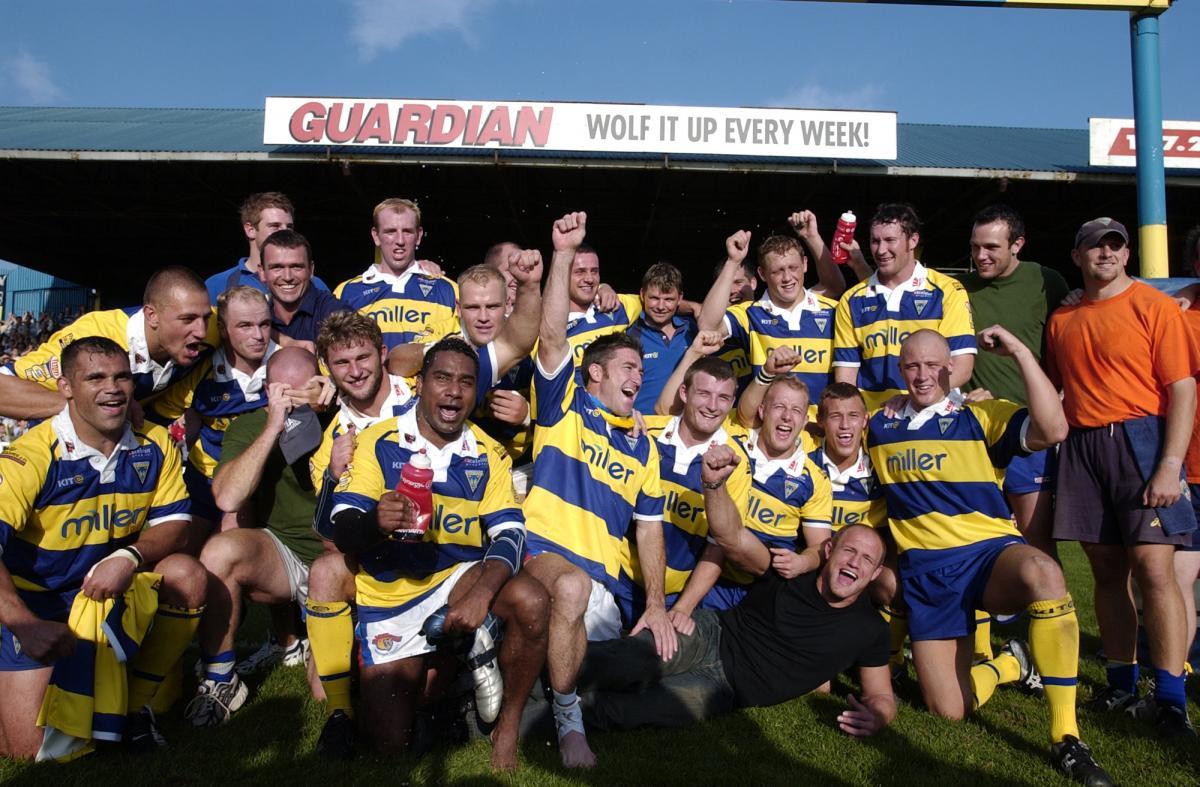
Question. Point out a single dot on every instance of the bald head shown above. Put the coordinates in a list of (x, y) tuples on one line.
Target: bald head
[(292, 366), (923, 342)]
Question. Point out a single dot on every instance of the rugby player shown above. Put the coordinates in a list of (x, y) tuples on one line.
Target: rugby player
[(664, 334), (590, 477), (901, 297), (959, 549), (86, 501), (297, 307), (401, 293), (469, 557), (163, 337)]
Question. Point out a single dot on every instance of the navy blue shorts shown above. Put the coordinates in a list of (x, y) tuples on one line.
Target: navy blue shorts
[(943, 598), (11, 657), (1033, 473)]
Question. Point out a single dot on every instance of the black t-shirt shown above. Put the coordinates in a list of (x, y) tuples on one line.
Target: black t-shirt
[(783, 640)]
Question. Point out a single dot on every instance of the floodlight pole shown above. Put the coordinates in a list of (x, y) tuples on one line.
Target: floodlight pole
[(1148, 123)]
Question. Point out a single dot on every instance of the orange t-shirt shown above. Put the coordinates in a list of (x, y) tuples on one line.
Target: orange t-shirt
[(1113, 359), (1192, 459)]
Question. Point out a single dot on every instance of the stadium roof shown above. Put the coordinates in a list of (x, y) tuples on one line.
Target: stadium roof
[(236, 135)]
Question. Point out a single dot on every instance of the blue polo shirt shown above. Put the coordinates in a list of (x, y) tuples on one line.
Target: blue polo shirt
[(315, 306), (660, 356), (240, 274)]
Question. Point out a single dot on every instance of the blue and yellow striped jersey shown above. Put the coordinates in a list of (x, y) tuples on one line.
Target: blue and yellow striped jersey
[(785, 496), (218, 393), (857, 494), (472, 501), (872, 321), (126, 327), (403, 305), (759, 327), (685, 526), (399, 400), (64, 506), (583, 328), (941, 470), (589, 480)]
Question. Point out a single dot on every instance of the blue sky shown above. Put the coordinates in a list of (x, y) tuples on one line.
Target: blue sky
[(1010, 67)]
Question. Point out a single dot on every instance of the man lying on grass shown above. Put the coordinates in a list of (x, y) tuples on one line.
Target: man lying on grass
[(786, 638)]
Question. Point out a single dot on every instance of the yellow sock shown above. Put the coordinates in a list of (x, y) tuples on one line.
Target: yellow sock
[(331, 638), (1054, 641), (987, 676), (162, 649), (170, 690), (983, 636), (898, 626)]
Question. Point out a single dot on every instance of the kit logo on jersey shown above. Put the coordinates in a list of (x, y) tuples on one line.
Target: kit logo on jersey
[(425, 288), (473, 478), (944, 424), (789, 488), (142, 469), (821, 323)]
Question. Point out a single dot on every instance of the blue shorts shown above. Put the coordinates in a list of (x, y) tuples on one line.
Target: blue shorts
[(11, 657), (942, 599), (199, 487), (1034, 473)]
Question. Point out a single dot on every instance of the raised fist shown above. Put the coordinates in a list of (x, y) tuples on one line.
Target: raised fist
[(569, 231), (526, 266), (718, 463), (737, 245)]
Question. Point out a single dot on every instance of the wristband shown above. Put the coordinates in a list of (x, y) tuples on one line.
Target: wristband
[(764, 378), (714, 485), (137, 554)]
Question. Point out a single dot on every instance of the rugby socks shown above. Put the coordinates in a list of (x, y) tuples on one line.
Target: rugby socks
[(163, 647), (1054, 642), (219, 668), (983, 636), (1168, 688), (568, 716), (331, 642), (987, 676), (1123, 675), (897, 621)]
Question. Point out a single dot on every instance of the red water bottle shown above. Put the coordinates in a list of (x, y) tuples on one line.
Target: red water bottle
[(843, 234), (416, 483)]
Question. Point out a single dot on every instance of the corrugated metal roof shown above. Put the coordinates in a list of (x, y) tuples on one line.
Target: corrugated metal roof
[(237, 133)]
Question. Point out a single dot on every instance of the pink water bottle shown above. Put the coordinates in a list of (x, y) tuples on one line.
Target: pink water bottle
[(416, 483), (843, 234)]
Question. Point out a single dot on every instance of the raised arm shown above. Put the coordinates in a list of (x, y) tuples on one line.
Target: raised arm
[(520, 331), (831, 282), (1047, 422), (236, 480), (724, 522), (712, 311), (705, 343), (779, 361), (568, 233)]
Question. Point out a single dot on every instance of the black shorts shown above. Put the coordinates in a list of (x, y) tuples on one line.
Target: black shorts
[(1099, 499)]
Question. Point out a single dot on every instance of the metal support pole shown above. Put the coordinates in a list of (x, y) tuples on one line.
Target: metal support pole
[(1148, 123)]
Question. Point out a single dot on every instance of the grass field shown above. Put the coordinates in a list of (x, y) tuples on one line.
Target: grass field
[(271, 742)]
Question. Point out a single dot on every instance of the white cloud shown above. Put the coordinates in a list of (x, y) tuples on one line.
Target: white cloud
[(383, 25), (30, 78), (817, 96)]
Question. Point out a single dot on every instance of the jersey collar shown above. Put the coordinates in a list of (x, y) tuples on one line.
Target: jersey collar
[(375, 274), (684, 454), (764, 468), (74, 448), (398, 394), (410, 438), (952, 403), (917, 281), (587, 316), (140, 361), (861, 469), (809, 303), (252, 384)]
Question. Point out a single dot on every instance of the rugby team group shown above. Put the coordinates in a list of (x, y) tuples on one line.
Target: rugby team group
[(645, 511)]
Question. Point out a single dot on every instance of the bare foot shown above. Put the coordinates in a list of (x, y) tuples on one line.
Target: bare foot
[(574, 750), (504, 752)]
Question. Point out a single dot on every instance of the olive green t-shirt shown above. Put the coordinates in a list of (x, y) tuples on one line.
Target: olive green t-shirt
[(285, 501), (1022, 303)]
